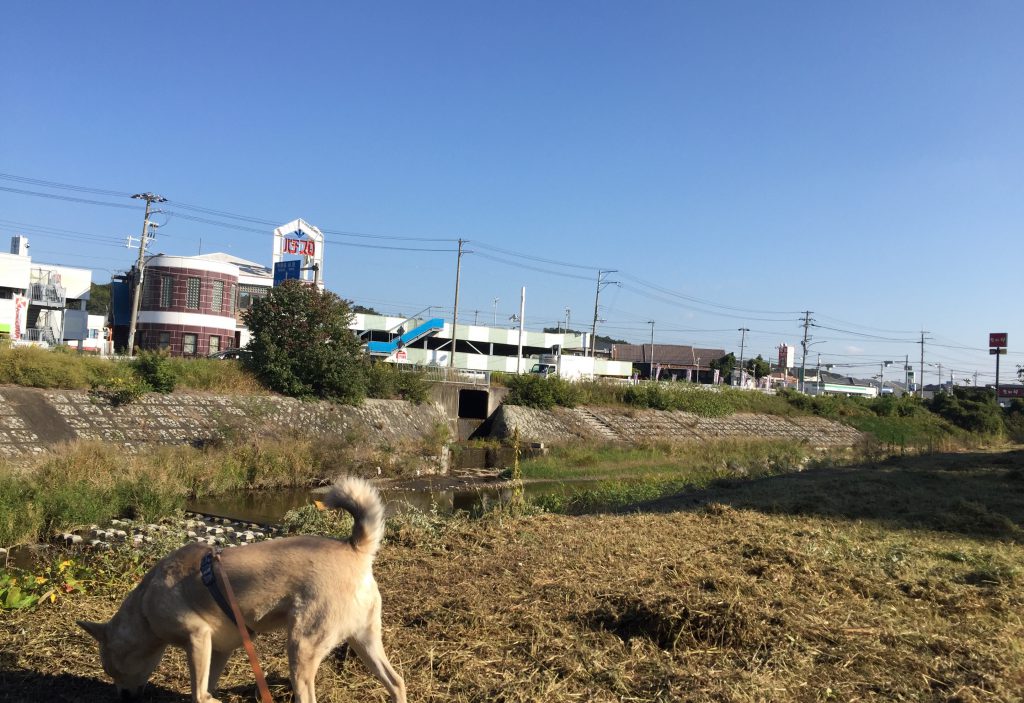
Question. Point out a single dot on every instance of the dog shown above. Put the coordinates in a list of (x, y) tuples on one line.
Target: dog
[(320, 590)]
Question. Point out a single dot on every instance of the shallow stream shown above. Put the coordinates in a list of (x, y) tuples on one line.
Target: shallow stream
[(441, 494)]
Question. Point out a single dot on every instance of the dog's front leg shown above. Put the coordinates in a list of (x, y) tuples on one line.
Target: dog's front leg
[(218, 660), (200, 651)]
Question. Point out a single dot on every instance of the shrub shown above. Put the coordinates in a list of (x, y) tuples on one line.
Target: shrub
[(972, 409), (1014, 419), (126, 389), (541, 392), (155, 369), (302, 346), (684, 397), (384, 380)]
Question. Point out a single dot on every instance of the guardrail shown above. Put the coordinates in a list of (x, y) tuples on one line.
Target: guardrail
[(445, 374)]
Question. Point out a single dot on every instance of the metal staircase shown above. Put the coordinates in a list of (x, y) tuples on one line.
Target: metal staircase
[(416, 333)]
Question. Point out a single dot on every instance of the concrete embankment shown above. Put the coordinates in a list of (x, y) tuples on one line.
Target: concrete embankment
[(32, 420), (627, 425)]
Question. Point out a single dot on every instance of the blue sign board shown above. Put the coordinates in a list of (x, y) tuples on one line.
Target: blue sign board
[(283, 270)]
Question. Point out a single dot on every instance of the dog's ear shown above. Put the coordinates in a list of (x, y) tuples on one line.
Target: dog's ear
[(96, 629)]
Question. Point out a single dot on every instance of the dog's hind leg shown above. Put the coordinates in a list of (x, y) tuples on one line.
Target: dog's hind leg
[(370, 648), (305, 652), (200, 651)]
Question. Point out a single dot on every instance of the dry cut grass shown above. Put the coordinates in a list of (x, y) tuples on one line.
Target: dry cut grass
[(698, 602)]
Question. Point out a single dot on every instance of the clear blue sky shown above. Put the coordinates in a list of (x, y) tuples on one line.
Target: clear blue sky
[(864, 161)]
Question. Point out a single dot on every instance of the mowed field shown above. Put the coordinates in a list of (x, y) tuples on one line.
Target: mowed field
[(902, 581)]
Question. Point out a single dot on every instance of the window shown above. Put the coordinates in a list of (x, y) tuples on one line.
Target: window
[(247, 295), (165, 340), (218, 296), (214, 344), (166, 282), (231, 300), (192, 294), (188, 344)]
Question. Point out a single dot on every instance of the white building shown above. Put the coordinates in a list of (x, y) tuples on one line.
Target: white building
[(41, 304)]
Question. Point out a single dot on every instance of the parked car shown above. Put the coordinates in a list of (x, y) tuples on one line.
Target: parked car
[(236, 354)]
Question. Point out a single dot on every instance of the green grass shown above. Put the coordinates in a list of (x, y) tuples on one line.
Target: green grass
[(615, 476), (41, 368)]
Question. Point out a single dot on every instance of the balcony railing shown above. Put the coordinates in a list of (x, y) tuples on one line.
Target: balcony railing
[(43, 334), (48, 295)]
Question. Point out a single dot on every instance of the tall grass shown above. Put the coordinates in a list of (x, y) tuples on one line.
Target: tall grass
[(59, 368), (90, 482), (214, 376), (64, 368)]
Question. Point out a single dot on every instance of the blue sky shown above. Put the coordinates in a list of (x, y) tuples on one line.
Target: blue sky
[(864, 161)]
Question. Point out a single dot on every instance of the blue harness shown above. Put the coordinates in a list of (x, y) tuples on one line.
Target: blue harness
[(210, 581)]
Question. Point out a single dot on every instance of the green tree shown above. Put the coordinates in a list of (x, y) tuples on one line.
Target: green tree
[(302, 346), (725, 364), (759, 367), (99, 299)]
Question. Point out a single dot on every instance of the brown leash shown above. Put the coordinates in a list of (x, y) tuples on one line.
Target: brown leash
[(261, 681)]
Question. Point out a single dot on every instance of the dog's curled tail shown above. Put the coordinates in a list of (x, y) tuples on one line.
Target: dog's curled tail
[(359, 497)]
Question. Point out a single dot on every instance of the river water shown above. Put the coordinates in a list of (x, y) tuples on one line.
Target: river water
[(270, 506)]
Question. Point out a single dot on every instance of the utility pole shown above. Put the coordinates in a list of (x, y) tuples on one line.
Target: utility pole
[(494, 312), (922, 365), (975, 379), (743, 340), (522, 322), (601, 283), (651, 323), (940, 373), (567, 311), (803, 359), (455, 314), (150, 198)]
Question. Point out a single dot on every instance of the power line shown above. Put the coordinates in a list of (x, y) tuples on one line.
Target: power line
[(68, 198), (701, 301), (64, 186), (527, 266)]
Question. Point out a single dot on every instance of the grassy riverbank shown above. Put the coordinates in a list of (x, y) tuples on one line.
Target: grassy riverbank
[(91, 482), (610, 477), (828, 584)]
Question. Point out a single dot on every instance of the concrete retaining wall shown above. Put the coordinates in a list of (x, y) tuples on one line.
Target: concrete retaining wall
[(32, 420), (623, 425)]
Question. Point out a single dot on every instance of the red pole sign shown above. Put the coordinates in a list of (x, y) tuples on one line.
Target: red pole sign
[(997, 339)]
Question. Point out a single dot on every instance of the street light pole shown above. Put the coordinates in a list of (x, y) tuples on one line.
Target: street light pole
[(881, 376), (150, 198)]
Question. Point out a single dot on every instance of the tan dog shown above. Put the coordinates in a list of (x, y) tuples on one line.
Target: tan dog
[(321, 590)]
